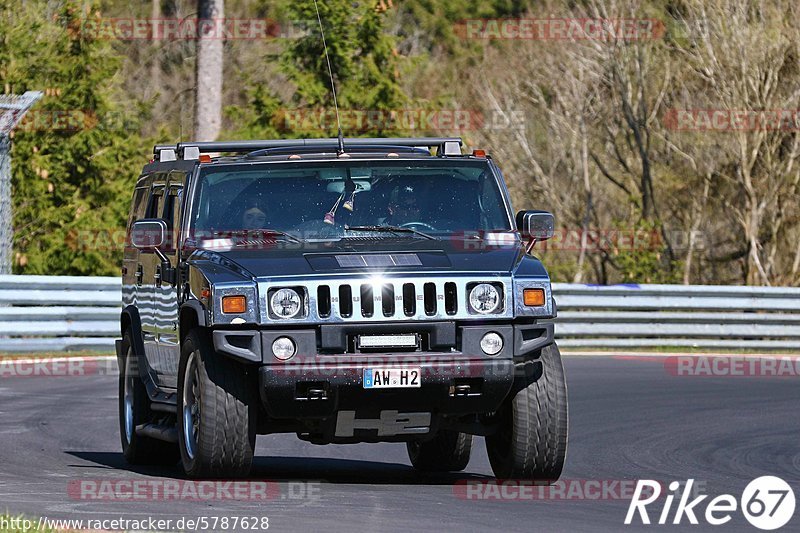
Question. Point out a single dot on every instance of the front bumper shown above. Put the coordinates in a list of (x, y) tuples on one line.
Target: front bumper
[(521, 341), (325, 377), (447, 387)]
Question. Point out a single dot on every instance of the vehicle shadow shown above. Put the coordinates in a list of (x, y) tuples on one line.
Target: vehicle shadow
[(324, 469)]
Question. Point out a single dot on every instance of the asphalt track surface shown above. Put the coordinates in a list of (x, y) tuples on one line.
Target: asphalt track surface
[(629, 419)]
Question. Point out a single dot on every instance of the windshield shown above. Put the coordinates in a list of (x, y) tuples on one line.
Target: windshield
[(339, 200)]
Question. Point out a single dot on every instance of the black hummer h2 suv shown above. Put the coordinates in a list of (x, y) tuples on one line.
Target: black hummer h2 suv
[(356, 290)]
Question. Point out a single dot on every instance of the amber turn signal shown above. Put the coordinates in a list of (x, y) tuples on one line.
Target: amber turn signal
[(533, 297), (234, 304)]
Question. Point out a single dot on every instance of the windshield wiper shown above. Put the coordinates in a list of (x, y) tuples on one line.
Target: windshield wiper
[(390, 229), (287, 236)]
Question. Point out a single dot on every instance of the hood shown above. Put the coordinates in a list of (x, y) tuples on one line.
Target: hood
[(405, 255)]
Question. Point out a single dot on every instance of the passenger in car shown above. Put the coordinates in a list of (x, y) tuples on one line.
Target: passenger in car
[(253, 216)]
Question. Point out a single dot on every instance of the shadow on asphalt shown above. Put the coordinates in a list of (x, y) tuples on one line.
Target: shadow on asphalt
[(329, 470)]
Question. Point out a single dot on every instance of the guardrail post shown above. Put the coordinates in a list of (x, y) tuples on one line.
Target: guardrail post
[(12, 109)]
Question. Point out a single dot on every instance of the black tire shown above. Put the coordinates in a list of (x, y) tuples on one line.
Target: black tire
[(135, 410), (222, 434), (448, 451), (531, 442)]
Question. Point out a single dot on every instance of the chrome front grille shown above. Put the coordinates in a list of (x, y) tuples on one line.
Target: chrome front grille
[(388, 300), (382, 299)]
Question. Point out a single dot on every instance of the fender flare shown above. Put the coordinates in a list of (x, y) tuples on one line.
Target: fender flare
[(132, 315), (197, 309)]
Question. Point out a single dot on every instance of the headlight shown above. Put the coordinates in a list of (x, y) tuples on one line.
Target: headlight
[(484, 298), (286, 303)]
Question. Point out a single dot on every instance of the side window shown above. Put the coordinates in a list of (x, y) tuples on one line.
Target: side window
[(172, 214), (137, 206), (172, 204), (155, 206)]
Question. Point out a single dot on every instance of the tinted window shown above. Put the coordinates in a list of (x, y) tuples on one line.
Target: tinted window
[(137, 205), (313, 200), (155, 205), (172, 213)]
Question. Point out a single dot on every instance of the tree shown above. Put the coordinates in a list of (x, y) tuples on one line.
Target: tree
[(573, 122), (76, 153), (743, 60), (365, 69), (208, 71)]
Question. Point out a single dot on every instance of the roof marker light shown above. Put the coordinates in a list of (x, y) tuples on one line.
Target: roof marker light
[(191, 152), (452, 148), (204, 158), (294, 156), (479, 153)]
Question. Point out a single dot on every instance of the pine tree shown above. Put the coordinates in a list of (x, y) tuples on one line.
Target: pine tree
[(364, 63), (75, 154)]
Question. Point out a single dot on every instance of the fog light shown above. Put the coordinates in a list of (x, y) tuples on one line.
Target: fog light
[(283, 348), (492, 343)]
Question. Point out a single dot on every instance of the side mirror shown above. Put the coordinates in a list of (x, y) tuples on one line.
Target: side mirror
[(536, 225), (149, 233)]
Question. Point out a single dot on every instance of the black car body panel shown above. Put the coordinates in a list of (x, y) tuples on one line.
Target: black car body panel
[(320, 391)]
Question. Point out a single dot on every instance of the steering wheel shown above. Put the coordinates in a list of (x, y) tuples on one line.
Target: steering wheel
[(422, 224)]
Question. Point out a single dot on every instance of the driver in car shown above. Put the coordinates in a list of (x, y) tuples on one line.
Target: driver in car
[(404, 207)]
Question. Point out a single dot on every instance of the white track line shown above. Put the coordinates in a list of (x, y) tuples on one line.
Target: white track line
[(657, 355)]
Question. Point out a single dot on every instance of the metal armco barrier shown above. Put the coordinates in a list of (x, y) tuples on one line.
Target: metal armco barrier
[(61, 313), (705, 316)]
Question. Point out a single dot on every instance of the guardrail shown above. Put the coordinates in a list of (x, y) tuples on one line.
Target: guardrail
[(705, 316), (59, 313), (67, 313)]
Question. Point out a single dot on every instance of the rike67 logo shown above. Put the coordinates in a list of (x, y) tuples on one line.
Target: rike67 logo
[(767, 503)]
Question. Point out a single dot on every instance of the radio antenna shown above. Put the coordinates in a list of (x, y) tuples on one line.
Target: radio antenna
[(340, 150)]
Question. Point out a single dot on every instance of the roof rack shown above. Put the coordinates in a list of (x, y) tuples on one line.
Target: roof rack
[(353, 148), (192, 150)]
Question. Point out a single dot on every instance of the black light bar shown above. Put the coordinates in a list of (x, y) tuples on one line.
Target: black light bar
[(242, 147)]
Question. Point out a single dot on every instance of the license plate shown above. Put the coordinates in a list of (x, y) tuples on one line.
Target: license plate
[(392, 378)]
